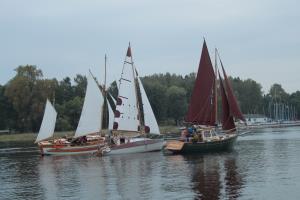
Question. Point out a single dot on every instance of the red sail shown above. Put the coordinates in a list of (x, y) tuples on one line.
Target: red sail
[(227, 119), (128, 54), (234, 107), (202, 109)]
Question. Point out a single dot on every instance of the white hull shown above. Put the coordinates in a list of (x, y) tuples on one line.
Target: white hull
[(146, 145)]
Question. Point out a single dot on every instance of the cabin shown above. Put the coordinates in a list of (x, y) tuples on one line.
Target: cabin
[(253, 119)]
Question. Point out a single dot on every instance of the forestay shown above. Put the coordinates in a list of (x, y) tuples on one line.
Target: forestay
[(48, 123), (151, 125), (91, 115)]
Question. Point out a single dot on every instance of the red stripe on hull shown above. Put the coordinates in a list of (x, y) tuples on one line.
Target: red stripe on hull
[(73, 150)]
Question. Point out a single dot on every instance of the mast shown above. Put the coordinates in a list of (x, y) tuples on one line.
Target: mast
[(216, 89), (104, 95)]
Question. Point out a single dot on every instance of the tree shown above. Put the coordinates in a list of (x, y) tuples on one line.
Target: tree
[(249, 95), (277, 93), (157, 97), (177, 104), (80, 85)]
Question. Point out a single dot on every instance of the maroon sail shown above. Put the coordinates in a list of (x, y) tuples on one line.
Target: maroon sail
[(227, 119), (201, 108), (234, 107)]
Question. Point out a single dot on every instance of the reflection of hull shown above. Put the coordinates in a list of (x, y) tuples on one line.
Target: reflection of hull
[(202, 147), (69, 150), (138, 145)]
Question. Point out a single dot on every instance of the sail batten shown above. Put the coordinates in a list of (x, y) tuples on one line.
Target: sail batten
[(91, 116), (202, 109), (48, 123)]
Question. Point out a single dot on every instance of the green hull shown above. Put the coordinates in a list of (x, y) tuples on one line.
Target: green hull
[(207, 147)]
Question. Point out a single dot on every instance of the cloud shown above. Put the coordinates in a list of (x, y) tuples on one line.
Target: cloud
[(70, 37)]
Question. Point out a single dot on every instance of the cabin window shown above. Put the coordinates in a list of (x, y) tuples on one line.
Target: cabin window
[(207, 134), (122, 140)]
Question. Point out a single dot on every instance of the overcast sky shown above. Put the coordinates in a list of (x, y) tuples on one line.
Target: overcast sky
[(258, 39)]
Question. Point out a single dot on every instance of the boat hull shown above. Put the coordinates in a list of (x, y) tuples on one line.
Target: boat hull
[(69, 150), (141, 146), (205, 147)]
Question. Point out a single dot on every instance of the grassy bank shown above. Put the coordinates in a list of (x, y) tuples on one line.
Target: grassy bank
[(27, 137), (30, 137)]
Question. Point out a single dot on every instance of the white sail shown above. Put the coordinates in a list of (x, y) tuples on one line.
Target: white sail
[(48, 123), (91, 115), (126, 115), (110, 113), (149, 117)]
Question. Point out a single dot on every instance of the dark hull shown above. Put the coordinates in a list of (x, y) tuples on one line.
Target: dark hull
[(207, 147)]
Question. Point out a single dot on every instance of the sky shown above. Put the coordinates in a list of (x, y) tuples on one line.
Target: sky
[(257, 39)]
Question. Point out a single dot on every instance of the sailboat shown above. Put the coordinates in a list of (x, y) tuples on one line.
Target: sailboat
[(87, 137), (134, 120), (202, 133)]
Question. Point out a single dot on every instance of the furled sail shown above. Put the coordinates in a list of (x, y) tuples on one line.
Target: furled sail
[(91, 114), (201, 108), (227, 119), (151, 125), (126, 114), (48, 123)]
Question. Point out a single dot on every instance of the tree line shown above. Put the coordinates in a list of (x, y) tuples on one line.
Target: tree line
[(22, 99)]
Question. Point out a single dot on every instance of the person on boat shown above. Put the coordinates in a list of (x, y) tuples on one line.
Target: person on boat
[(184, 134)]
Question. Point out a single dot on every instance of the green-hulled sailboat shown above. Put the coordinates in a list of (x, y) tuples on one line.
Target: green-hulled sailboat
[(202, 133)]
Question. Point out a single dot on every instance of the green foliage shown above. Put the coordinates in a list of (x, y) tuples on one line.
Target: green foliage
[(177, 104), (22, 99), (249, 95)]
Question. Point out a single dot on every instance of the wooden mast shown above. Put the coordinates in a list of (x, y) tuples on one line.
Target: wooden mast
[(216, 89)]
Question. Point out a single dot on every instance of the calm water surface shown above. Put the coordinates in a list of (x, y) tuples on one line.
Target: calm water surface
[(264, 165)]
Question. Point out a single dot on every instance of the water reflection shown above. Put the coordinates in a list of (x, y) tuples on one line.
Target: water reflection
[(264, 165), (215, 176)]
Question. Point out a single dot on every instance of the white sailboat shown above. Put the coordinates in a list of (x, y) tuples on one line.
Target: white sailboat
[(130, 126), (87, 137)]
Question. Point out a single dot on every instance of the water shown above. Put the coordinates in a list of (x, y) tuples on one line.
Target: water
[(264, 165)]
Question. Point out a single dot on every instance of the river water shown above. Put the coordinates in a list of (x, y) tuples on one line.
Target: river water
[(263, 165)]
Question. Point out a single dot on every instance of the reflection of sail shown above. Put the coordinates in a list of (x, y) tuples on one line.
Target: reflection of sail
[(233, 180), (130, 177), (210, 173), (206, 178)]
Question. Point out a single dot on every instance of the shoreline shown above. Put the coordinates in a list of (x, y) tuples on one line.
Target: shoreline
[(30, 137)]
